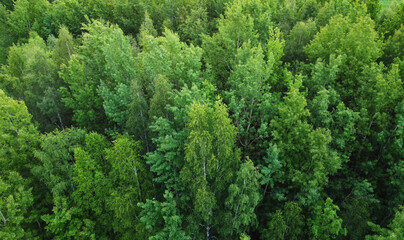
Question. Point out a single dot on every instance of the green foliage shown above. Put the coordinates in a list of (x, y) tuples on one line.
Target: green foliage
[(243, 197), (249, 98), (19, 138), (69, 13), (285, 224), (15, 201), (168, 158), (305, 154), (312, 110), (106, 63), (300, 35), (353, 35), (31, 75), (164, 214), (18, 135), (130, 183), (64, 47), (326, 224), (5, 38), (396, 230), (56, 160), (243, 22), (210, 162), (29, 15)]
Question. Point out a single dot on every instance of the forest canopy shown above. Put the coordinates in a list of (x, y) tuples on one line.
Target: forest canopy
[(202, 119)]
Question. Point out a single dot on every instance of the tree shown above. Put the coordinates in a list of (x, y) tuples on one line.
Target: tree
[(18, 135), (162, 218), (30, 15), (287, 223), (31, 75), (243, 21), (395, 230), (91, 183), (106, 63), (64, 47), (249, 99), (5, 39), (347, 38), (55, 168), (19, 139), (130, 184), (244, 197), (326, 224), (167, 160), (305, 154), (210, 162), (15, 200), (69, 13)]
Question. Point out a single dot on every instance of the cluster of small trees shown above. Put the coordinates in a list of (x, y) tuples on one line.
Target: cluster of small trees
[(201, 119)]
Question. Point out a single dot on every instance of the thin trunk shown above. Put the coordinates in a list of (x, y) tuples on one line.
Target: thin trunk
[(68, 51), (137, 180), (61, 123), (3, 218), (204, 168), (238, 205)]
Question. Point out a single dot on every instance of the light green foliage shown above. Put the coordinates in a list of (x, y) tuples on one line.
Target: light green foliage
[(68, 222), (210, 162), (332, 8), (244, 197), (285, 224), (313, 110), (167, 56), (56, 160), (164, 214), (15, 202), (270, 170), (243, 21), (305, 154), (288, 12), (247, 95), (87, 173), (249, 98), (373, 8), (300, 35), (64, 47), (164, 64), (31, 75), (352, 36), (168, 158), (394, 46), (395, 230), (19, 137), (106, 63), (91, 184), (358, 45), (275, 47), (29, 15), (162, 90), (147, 28), (244, 237), (130, 183), (326, 224), (392, 19)]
